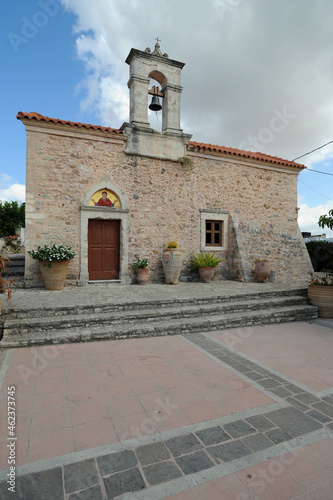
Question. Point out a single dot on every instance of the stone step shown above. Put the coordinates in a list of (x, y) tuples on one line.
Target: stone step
[(118, 319), (180, 325), (36, 311)]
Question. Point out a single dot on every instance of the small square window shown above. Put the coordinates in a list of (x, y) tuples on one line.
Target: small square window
[(214, 231)]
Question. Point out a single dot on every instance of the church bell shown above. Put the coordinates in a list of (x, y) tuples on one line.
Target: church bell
[(155, 104)]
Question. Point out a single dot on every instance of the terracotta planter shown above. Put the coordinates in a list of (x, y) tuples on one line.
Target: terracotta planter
[(262, 271), (206, 274), (172, 264), (142, 276), (322, 297), (54, 276)]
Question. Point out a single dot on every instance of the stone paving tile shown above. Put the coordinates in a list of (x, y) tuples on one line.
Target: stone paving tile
[(124, 482), (268, 383), (260, 423), (280, 391), (254, 376), (183, 444), (293, 421), (213, 435), (194, 462), (115, 462), (297, 404), (324, 408), (94, 493), (293, 388), (278, 436), (307, 398), (161, 473), (317, 415), (228, 451), (328, 399), (257, 442), (152, 453), (80, 475), (238, 429), (41, 485)]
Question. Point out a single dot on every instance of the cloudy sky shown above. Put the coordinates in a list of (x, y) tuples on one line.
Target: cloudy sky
[(258, 76)]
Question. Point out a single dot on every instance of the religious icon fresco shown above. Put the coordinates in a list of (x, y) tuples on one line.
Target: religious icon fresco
[(104, 198)]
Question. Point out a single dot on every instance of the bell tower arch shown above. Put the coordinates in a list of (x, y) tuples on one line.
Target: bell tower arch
[(142, 139)]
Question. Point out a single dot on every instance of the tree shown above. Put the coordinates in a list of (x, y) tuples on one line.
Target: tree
[(12, 216), (326, 220)]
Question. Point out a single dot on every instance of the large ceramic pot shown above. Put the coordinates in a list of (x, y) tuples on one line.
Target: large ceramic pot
[(172, 264), (206, 274), (262, 271), (54, 273), (142, 276), (322, 297)]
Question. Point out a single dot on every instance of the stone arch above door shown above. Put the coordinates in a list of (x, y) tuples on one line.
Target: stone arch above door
[(90, 212), (109, 187)]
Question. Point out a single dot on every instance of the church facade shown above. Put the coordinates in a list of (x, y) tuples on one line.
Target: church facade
[(115, 194)]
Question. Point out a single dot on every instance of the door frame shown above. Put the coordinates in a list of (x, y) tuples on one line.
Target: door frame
[(115, 224), (105, 213)]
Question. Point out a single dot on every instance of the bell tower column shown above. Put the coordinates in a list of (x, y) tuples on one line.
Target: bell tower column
[(138, 86), (171, 108)]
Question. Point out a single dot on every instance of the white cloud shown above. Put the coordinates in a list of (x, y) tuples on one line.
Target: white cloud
[(15, 192), (242, 63), (308, 218)]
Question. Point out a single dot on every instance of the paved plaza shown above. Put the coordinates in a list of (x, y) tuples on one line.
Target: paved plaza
[(235, 414)]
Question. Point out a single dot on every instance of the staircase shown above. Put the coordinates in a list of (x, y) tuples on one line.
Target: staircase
[(33, 326), (15, 268)]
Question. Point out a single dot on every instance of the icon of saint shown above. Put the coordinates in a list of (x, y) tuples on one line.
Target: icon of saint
[(104, 201)]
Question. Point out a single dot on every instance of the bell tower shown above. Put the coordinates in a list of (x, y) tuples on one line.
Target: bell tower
[(142, 139)]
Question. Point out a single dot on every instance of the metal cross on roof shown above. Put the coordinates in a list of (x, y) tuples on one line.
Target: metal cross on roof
[(157, 39)]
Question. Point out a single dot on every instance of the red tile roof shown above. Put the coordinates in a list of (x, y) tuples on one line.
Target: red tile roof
[(41, 118), (192, 145), (244, 154)]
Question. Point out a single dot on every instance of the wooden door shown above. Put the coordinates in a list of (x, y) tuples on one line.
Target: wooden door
[(103, 249)]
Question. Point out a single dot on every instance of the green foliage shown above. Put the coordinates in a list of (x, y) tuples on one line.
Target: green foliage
[(321, 254), (13, 244), (326, 220), (52, 253), (205, 260), (186, 162), (12, 215), (140, 263)]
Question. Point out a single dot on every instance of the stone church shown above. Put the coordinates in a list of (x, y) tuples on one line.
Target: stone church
[(114, 194)]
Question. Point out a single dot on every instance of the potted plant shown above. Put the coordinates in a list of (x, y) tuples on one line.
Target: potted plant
[(205, 263), (320, 294), (53, 263), (141, 267), (5, 285), (262, 270), (172, 263)]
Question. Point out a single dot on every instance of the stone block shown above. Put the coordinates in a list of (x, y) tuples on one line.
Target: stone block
[(123, 482), (161, 473), (194, 462)]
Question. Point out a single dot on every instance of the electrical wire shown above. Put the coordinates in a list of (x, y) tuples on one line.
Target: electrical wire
[(318, 171), (314, 190), (316, 149)]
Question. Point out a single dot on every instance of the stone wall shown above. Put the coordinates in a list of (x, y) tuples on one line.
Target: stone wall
[(164, 200)]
